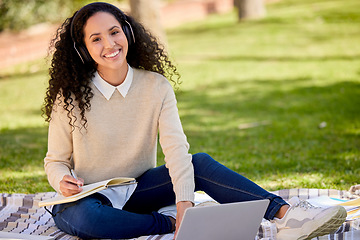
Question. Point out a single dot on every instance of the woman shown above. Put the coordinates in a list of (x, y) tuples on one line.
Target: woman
[(106, 102)]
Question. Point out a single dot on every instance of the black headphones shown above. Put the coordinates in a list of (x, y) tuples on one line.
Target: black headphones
[(81, 49)]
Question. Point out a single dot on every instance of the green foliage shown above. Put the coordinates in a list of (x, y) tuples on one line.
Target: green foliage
[(20, 14), (296, 69)]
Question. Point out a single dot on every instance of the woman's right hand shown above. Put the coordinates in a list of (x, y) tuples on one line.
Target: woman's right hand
[(70, 186)]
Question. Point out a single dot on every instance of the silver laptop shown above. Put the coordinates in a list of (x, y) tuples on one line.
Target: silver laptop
[(232, 221)]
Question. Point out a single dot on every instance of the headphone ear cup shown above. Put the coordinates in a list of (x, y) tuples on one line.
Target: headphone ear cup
[(83, 53), (128, 34)]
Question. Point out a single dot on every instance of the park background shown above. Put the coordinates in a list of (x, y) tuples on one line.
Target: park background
[(276, 99)]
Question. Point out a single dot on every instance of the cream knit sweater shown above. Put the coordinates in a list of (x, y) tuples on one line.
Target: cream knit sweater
[(120, 139)]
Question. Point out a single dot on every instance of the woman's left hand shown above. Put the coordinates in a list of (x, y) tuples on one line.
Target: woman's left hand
[(181, 207)]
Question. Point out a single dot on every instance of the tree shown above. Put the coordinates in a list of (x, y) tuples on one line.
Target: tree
[(147, 12), (250, 9)]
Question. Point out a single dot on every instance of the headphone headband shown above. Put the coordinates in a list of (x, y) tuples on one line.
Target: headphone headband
[(126, 27)]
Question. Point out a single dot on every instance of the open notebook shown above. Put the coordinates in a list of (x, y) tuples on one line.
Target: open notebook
[(88, 190)]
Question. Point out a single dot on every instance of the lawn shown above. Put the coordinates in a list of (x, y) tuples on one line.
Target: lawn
[(277, 100)]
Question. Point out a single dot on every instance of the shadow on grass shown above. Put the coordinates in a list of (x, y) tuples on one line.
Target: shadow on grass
[(21, 160), (293, 143), (22, 148)]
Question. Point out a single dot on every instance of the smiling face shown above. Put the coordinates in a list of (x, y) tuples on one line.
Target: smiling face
[(106, 42)]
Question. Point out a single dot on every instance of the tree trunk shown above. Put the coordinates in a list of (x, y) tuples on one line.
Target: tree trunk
[(147, 12), (250, 9)]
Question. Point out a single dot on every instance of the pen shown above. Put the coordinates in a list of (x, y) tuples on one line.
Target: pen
[(74, 175)]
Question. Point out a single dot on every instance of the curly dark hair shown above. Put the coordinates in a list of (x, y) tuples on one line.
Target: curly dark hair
[(70, 78)]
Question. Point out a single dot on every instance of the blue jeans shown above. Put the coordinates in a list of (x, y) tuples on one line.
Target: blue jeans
[(94, 217)]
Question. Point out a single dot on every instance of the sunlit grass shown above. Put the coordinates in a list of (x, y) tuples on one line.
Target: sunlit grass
[(30, 181)]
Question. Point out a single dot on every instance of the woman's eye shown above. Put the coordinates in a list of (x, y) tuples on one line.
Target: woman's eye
[(96, 39), (114, 32)]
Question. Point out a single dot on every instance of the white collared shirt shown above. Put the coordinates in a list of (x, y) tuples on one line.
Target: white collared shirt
[(108, 90)]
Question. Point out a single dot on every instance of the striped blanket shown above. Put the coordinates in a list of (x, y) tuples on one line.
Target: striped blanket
[(20, 218)]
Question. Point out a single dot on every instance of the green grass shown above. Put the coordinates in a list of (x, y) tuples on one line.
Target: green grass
[(295, 69)]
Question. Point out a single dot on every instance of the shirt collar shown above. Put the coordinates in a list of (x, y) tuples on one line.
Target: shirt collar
[(108, 90)]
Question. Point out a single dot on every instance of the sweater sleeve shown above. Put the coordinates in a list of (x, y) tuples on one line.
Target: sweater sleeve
[(57, 160), (175, 146)]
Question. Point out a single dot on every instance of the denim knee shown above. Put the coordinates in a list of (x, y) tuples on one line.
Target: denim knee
[(200, 159), (204, 164)]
